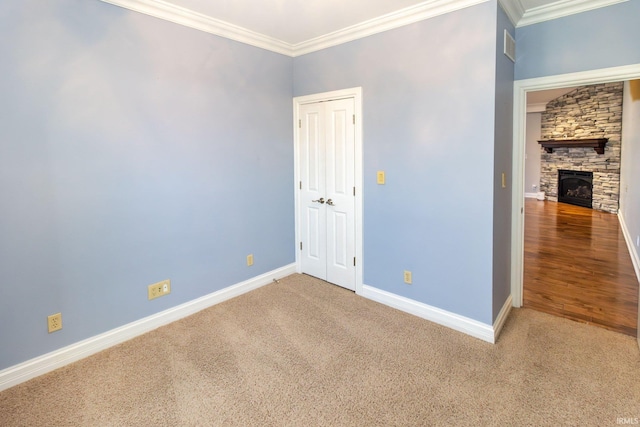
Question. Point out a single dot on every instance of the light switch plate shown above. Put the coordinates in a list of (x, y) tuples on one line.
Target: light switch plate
[(380, 177)]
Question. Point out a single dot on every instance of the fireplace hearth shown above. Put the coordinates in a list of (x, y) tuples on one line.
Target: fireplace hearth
[(575, 187)]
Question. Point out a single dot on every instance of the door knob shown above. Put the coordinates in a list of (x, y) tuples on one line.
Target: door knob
[(330, 202), (320, 200)]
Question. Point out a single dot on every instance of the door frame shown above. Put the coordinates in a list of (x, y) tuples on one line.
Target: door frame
[(521, 88), (356, 94)]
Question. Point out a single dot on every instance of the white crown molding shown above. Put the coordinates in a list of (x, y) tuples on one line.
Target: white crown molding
[(513, 9), (179, 15), (562, 8), (24, 371), (400, 18)]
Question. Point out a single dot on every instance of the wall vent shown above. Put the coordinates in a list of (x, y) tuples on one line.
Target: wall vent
[(509, 46)]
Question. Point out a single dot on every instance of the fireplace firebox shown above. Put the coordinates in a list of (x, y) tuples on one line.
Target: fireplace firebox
[(575, 187)]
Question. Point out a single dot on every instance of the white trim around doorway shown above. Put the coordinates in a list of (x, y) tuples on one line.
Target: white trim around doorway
[(356, 94), (521, 88)]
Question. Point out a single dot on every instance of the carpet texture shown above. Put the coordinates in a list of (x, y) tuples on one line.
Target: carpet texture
[(306, 353)]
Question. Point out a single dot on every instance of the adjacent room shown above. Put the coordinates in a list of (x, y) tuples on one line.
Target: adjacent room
[(577, 264), (183, 184)]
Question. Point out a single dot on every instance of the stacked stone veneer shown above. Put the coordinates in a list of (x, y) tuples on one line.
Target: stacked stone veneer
[(587, 112)]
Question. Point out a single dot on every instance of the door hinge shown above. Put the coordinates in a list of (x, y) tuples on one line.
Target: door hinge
[(300, 124), (354, 119), (354, 191), (300, 245), (354, 261), (301, 185)]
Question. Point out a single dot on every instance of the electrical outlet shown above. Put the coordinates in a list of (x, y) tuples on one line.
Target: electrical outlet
[(407, 277), (534, 187), (249, 260), (159, 289), (54, 322)]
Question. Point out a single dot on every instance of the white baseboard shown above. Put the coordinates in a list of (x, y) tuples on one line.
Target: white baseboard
[(442, 317), (531, 195), (635, 259), (502, 317), (22, 372)]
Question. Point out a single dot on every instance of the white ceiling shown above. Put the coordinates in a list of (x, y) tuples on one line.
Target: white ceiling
[(537, 101), (295, 27)]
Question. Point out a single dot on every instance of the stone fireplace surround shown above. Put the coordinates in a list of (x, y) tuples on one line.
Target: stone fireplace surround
[(593, 111)]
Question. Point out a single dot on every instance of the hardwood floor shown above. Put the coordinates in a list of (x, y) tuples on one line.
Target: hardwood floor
[(577, 265)]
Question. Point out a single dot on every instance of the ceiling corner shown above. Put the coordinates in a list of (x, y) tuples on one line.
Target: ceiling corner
[(562, 8), (513, 9)]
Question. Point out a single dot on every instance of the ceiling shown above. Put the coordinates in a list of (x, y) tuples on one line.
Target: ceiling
[(295, 27), (537, 101)]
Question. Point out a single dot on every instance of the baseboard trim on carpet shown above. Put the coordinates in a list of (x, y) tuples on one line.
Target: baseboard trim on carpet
[(502, 317), (29, 369), (442, 317)]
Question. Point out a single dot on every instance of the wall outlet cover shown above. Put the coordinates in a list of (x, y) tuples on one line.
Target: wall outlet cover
[(159, 289), (407, 277), (54, 322)]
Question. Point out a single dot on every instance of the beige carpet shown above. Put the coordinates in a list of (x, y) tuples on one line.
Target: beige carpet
[(306, 353)]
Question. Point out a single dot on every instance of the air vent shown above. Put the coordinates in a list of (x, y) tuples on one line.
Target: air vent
[(509, 46)]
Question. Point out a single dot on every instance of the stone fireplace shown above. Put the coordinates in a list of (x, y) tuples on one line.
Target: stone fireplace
[(587, 113)]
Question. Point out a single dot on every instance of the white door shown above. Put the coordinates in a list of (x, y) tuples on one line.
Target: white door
[(327, 188)]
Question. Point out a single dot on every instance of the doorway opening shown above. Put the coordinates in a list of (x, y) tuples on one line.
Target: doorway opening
[(521, 89)]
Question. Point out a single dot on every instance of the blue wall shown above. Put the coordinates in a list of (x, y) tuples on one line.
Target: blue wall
[(132, 150), (601, 38), (428, 93), (503, 158)]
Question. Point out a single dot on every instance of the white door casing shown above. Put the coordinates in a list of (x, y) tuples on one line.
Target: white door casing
[(328, 164)]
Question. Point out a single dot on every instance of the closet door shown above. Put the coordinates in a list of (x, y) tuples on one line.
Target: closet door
[(327, 201)]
